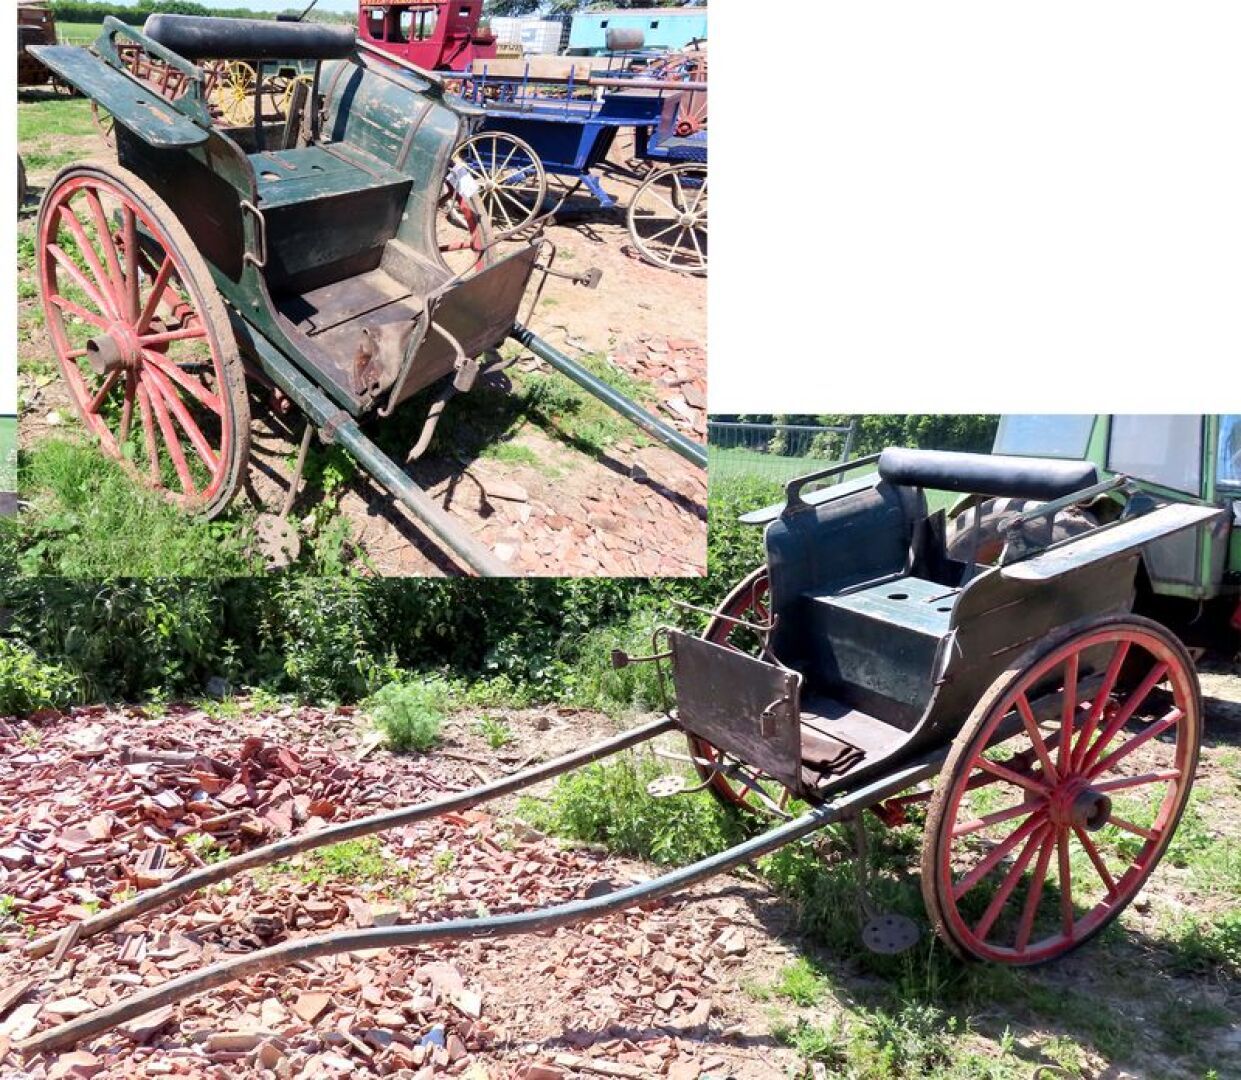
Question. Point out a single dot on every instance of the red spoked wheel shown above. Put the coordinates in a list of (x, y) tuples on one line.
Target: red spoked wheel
[(1035, 841), (463, 231), (142, 337), (730, 780)]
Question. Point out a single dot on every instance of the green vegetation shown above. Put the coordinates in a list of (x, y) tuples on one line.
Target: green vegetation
[(411, 715), (27, 684), (497, 733), (921, 1013), (351, 860), (88, 519), (609, 803)]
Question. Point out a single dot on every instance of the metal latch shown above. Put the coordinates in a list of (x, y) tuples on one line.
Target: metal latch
[(767, 718)]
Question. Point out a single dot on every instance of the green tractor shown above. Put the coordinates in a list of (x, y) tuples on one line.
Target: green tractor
[(1191, 580)]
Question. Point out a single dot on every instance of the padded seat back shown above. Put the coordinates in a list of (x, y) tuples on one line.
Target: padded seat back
[(861, 537), (986, 474), (203, 37)]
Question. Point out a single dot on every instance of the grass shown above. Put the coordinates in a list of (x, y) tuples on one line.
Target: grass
[(74, 33), (609, 803), (40, 124), (410, 714), (924, 1013), (87, 518), (351, 860)]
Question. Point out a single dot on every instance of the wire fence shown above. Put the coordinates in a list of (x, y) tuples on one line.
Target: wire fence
[(776, 452)]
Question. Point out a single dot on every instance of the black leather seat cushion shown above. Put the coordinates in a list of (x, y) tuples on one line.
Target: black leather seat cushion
[(986, 474), (201, 37)]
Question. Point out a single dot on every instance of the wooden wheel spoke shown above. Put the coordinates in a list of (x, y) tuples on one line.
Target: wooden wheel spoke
[(1124, 714), (1175, 716), (1123, 782), (1129, 826), (1092, 851), (171, 442), (148, 431), (197, 439), (157, 292), (186, 333), (1036, 738), (106, 243), (185, 380), (1068, 712), (1035, 892), (105, 389), (1101, 699), (996, 818), (1066, 883), (984, 925), (129, 222), (106, 287), (1002, 772), (992, 859), (80, 280), (76, 309), (127, 407)]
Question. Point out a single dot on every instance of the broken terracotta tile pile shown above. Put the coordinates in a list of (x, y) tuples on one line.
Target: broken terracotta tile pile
[(643, 515), (97, 803)]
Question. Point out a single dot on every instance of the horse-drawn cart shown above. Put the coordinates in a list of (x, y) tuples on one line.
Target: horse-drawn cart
[(1051, 735), (301, 252), (536, 127)]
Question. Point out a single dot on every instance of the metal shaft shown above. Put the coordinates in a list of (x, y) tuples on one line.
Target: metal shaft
[(387, 473), (611, 397), (293, 952), (349, 830)]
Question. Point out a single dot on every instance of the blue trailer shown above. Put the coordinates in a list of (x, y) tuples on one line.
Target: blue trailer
[(661, 28)]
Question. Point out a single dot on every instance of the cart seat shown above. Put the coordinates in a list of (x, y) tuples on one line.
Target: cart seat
[(329, 213), (312, 173), (877, 645), (204, 37), (986, 474)]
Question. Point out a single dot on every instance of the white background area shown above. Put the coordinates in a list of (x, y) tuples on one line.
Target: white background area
[(960, 205), (975, 206)]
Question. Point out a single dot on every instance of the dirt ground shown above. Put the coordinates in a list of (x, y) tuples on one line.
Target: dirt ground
[(100, 802), (540, 503)]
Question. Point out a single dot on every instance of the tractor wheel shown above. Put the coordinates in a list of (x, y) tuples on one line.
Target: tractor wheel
[(142, 337), (746, 788), (1044, 825), (512, 183), (984, 527), (667, 219)]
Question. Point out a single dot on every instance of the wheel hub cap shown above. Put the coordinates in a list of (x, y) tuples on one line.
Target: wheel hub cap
[(1076, 805), (118, 348)]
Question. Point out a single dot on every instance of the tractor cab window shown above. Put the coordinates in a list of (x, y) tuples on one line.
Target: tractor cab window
[(1228, 468), (1165, 450), (375, 23), (1060, 436), (404, 22)]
